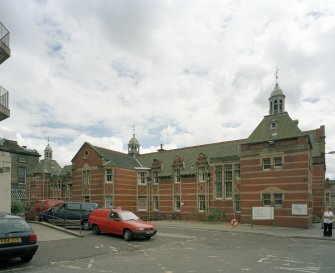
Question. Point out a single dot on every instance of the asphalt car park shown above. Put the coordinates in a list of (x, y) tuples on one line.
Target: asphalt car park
[(180, 249)]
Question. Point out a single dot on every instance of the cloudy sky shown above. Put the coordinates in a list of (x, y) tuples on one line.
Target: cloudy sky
[(182, 72)]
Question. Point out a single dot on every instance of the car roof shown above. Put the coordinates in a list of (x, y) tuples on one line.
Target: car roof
[(114, 210), (119, 210), (6, 215)]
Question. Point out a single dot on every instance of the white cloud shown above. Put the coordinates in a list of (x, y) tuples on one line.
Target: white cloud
[(183, 72)]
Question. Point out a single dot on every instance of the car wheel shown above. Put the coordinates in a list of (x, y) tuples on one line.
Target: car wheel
[(45, 220), (26, 258), (85, 225), (127, 235), (96, 230)]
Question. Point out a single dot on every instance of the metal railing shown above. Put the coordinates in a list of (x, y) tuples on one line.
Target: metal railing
[(4, 35), (4, 97)]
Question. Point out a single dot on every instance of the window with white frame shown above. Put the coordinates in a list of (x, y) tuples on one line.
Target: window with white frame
[(177, 203), (237, 171), (228, 181), (155, 175), (177, 176), (201, 203), (278, 199), (86, 177), (22, 172), (86, 199), (277, 161), (142, 203), (201, 174), (108, 201), (141, 178), (155, 202), (22, 159), (266, 199), (218, 181), (266, 163), (109, 176)]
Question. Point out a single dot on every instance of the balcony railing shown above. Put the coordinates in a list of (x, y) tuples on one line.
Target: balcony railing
[(3, 97), (4, 35), (4, 43), (4, 110)]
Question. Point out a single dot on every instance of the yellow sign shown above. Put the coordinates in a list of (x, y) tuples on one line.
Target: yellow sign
[(10, 240)]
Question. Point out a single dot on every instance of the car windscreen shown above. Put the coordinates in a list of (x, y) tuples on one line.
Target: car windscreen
[(89, 206), (8, 225), (128, 215)]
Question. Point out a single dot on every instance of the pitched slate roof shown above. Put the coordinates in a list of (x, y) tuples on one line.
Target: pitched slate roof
[(46, 166), (65, 170), (223, 150), (116, 159), (286, 128), (11, 146)]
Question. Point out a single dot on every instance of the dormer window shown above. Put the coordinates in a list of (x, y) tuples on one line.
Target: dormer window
[(177, 176), (201, 174)]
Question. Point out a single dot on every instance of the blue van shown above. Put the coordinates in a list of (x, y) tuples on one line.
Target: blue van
[(68, 214)]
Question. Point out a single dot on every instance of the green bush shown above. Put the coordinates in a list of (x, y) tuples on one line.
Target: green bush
[(316, 219), (17, 208), (215, 214)]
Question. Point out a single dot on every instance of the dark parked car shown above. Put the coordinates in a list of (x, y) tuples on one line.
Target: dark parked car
[(17, 238), (39, 206), (68, 214), (121, 222)]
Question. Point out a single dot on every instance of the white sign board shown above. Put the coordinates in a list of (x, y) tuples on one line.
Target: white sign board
[(262, 213), (299, 209)]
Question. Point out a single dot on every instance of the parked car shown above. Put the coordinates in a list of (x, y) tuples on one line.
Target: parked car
[(39, 206), (68, 214), (17, 238), (120, 222)]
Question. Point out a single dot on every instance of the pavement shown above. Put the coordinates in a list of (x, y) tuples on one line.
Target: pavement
[(314, 232), (47, 232)]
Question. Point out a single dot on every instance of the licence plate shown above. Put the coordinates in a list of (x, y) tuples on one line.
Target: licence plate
[(10, 240), (150, 232)]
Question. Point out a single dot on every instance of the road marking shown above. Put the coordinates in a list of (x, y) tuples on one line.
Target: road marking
[(267, 259), (301, 269), (90, 264)]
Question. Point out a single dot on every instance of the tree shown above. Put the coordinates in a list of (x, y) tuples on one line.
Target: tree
[(17, 208)]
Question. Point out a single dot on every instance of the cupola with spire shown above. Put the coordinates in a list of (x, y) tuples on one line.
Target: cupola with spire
[(133, 146), (48, 152), (277, 99)]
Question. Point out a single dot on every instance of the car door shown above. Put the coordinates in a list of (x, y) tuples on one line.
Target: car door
[(114, 223), (72, 215), (55, 214)]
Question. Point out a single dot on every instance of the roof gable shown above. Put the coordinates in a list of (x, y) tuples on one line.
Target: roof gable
[(274, 127), (116, 159)]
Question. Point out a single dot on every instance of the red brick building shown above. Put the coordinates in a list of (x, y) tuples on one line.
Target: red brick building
[(43, 180), (278, 167)]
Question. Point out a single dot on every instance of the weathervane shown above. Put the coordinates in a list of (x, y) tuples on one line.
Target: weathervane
[(276, 74)]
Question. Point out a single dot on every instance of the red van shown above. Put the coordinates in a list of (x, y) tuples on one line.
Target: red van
[(120, 222), (39, 206)]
